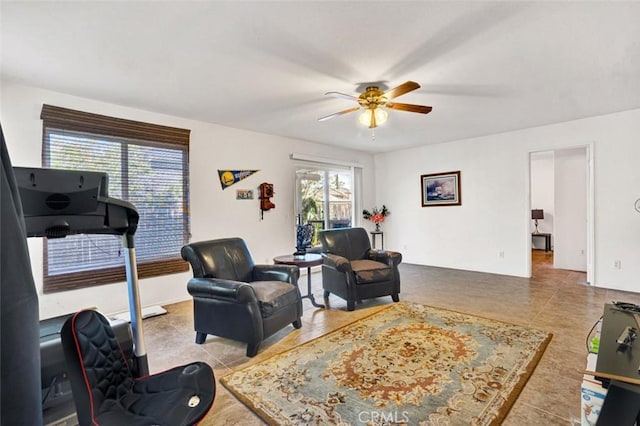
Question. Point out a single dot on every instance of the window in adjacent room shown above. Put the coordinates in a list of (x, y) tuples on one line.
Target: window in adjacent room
[(147, 165)]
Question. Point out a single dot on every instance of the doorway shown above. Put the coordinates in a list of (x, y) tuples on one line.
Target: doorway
[(561, 194)]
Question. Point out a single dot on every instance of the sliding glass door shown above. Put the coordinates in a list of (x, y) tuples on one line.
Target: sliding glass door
[(325, 197)]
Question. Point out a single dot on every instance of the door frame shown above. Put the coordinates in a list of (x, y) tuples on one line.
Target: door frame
[(590, 213)]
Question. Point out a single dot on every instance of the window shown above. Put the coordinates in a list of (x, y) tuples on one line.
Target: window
[(147, 165), (325, 197)]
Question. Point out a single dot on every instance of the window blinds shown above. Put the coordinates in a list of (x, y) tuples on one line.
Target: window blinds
[(147, 165)]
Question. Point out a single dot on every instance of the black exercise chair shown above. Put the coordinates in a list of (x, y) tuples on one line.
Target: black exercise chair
[(106, 392)]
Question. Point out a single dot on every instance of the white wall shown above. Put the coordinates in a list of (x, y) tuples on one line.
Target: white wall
[(542, 194), (214, 213), (571, 209), (494, 216)]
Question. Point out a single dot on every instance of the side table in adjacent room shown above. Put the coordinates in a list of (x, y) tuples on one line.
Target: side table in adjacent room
[(307, 261), (547, 240), (374, 234)]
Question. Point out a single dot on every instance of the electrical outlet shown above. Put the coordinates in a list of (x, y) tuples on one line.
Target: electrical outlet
[(617, 264), (501, 255)]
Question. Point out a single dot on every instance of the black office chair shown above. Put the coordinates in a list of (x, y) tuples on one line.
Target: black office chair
[(106, 392)]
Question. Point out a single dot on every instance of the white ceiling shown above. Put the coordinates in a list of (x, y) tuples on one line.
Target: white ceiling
[(484, 67)]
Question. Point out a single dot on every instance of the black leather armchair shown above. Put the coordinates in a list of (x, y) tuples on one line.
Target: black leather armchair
[(236, 299), (354, 271)]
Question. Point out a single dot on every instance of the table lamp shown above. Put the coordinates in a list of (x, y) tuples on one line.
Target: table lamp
[(535, 215)]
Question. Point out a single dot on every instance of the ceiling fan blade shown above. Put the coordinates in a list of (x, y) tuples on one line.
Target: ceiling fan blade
[(342, 96), (409, 107), (402, 89), (336, 114)]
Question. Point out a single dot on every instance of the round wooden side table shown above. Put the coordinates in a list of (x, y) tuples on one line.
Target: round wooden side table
[(307, 261)]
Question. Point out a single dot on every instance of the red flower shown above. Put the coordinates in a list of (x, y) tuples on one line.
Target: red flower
[(376, 215), (377, 218)]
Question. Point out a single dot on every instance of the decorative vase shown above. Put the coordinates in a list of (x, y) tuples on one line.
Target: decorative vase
[(377, 227), (304, 237)]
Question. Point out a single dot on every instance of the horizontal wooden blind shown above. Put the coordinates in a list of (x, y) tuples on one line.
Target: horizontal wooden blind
[(69, 119), (147, 165)]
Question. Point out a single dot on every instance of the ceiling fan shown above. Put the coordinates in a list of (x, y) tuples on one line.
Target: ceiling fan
[(373, 101)]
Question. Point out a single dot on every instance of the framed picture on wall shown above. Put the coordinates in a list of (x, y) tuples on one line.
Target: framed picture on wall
[(244, 194), (441, 189)]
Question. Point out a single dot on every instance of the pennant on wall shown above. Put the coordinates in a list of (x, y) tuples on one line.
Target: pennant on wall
[(229, 177)]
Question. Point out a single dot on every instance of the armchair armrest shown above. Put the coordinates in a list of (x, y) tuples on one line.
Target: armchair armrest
[(286, 273), (214, 288), (391, 258), (336, 262)]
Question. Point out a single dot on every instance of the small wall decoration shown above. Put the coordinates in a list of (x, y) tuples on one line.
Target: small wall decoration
[(229, 177), (266, 192), (244, 194), (441, 189)]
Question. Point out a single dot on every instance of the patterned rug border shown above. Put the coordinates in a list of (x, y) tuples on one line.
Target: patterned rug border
[(508, 404)]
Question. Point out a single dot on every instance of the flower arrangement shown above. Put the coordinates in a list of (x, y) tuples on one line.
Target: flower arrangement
[(376, 216)]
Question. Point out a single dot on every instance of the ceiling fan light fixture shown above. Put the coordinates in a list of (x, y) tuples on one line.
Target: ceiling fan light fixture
[(365, 117), (373, 117), (381, 115), (373, 103)]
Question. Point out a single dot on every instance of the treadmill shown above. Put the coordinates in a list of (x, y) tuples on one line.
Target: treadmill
[(57, 203)]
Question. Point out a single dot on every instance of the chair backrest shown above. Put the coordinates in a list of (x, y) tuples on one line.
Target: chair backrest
[(352, 243), (98, 369), (226, 258)]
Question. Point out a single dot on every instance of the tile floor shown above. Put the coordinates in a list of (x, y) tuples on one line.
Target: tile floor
[(557, 301)]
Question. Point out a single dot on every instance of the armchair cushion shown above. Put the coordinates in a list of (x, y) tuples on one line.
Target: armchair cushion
[(369, 271), (273, 296)]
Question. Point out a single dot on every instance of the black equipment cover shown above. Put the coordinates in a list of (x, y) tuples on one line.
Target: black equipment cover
[(20, 330)]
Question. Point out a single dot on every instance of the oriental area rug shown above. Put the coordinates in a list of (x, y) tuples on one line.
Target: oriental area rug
[(405, 364)]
